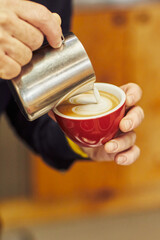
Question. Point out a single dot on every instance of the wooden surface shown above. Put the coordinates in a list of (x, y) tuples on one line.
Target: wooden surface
[(124, 46), (24, 213)]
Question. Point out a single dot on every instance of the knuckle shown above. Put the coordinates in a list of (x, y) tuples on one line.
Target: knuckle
[(5, 18), (2, 37), (44, 14), (57, 18), (2, 61), (127, 141), (122, 147), (28, 56), (9, 74), (133, 85), (138, 151), (134, 137), (140, 113), (15, 72), (8, 68), (2, 75), (137, 88), (38, 41)]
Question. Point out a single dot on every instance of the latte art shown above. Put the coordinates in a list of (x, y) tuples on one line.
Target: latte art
[(87, 105)]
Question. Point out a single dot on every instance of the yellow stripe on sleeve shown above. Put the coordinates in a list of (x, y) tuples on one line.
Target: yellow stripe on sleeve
[(76, 148)]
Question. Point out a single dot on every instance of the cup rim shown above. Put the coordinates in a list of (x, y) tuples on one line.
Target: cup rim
[(122, 101)]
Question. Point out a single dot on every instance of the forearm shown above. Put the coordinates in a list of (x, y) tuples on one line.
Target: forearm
[(44, 137)]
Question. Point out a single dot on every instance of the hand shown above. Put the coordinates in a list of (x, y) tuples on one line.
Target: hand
[(122, 149), (23, 25)]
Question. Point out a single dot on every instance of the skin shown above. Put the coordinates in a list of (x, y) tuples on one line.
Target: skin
[(23, 25), (121, 149)]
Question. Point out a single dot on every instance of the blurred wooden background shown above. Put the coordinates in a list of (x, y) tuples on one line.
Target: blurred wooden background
[(124, 46)]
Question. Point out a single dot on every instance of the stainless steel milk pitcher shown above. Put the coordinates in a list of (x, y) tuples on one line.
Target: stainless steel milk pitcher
[(51, 75)]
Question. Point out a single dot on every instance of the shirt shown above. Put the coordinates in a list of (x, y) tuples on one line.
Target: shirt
[(43, 135)]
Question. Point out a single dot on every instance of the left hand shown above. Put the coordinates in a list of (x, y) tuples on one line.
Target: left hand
[(122, 149)]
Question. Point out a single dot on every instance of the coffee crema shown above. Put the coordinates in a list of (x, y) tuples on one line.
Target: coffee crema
[(86, 104)]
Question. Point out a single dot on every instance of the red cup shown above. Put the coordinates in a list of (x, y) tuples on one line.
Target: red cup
[(96, 130)]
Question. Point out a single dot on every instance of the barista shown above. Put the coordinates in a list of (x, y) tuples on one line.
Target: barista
[(23, 27)]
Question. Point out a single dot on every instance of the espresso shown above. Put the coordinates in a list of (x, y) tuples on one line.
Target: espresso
[(87, 105)]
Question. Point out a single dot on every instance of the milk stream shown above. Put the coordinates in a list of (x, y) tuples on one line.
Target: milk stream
[(97, 95)]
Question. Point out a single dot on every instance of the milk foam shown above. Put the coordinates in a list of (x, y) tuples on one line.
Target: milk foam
[(88, 104)]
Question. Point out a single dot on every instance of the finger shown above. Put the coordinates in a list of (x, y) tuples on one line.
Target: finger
[(98, 154), (17, 51), (8, 67), (128, 157), (21, 30), (133, 93), (27, 34), (40, 17), (58, 18), (132, 120), (121, 143)]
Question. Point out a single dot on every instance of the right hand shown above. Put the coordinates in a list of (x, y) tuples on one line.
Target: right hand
[(23, 25)]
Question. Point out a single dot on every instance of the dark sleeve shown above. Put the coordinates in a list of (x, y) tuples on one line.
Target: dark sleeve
[(44, 137)]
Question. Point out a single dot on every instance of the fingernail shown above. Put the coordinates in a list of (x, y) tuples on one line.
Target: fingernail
[(112, 146), (121, 160), (128, 125), (130, 99)]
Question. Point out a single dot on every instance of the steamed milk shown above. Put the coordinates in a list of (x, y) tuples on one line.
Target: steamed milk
[(88, 104)]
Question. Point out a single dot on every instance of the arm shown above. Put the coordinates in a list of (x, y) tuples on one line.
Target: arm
[(23, 25), (44, 137)]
